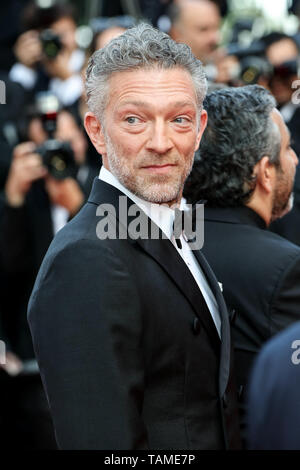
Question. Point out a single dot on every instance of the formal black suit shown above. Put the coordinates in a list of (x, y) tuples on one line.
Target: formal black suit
[(260, 273), (128, 351), (274, 400)]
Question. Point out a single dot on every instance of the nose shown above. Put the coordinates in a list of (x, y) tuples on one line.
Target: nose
[(296, 160), (159, 140), (214, 37)]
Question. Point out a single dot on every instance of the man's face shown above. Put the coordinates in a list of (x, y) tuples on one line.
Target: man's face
[(199, 28), (66, 29), (152, 128), (278, 53), (285, 174), (282, 51)]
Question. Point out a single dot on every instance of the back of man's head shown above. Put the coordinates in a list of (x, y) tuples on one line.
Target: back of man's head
[(239, 133)]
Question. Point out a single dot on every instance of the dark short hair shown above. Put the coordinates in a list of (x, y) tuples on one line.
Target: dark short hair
[(271, 38), (35, 17), (240, 132)]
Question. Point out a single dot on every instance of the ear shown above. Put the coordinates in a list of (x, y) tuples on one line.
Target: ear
[(174, 33), (265, 173), (95, 132), (202, 126)]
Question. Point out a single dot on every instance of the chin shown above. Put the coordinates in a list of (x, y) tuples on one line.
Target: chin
[(158, 195), (287, 208)]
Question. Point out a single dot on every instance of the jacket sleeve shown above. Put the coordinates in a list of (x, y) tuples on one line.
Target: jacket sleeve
[(285, 306), (86, 324)]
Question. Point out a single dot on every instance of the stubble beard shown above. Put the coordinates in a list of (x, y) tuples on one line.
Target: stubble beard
[(159, 189), (283, 196)]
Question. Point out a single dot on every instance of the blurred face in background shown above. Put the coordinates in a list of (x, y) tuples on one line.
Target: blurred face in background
[(198, 26), (281, 51), (66, 29), (107, 35), (281, 83)]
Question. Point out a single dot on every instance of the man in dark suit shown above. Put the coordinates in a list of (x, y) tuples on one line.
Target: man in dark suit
[(131, 332), (274, 401), (245, 172)]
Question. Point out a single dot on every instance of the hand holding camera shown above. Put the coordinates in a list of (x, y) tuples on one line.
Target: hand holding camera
[(26, 167), (46, 47), (28, 48), (66, 193)]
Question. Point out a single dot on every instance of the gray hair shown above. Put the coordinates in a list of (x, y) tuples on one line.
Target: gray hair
[(239, 133), (140, 47)]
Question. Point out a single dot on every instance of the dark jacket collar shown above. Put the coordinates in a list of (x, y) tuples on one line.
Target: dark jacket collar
[(234, 215)]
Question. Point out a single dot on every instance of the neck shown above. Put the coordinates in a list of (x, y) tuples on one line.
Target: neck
[(262, 206)]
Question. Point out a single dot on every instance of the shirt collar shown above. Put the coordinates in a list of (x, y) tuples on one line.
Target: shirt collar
[(162, 215)]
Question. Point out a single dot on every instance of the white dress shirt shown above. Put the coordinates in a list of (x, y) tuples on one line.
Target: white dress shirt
[(163, 216)]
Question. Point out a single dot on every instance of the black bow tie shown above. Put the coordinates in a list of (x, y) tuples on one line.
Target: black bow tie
[(185, 221)]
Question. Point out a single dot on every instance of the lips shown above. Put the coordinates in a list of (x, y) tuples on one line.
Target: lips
[(159, 168)]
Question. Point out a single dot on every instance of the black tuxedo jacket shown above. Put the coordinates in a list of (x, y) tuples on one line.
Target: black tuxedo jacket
[(260, 273), (128, 352)]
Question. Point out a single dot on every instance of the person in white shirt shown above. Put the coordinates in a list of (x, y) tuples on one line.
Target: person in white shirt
[(64, 69)]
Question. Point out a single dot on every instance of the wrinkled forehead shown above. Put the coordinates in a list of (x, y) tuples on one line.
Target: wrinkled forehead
[(153, 82)]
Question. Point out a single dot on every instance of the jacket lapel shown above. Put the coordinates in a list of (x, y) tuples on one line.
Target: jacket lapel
[(225, 327), (165, 254)]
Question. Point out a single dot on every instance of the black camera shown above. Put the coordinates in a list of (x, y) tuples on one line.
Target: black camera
[(51, 43), (252, 68), (286, 69), (57, 155)]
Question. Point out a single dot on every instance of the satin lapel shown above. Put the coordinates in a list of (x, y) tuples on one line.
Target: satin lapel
[(225, 327)]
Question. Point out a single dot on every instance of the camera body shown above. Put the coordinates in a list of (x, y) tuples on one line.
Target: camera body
[(57, 155), (51, 43)]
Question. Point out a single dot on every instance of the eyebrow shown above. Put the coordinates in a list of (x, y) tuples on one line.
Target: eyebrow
[(177, 104)]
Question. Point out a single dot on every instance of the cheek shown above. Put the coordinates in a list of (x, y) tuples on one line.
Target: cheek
[(127, 144), (186, 146)]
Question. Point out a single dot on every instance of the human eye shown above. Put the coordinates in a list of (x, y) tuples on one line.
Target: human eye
[(132, 120), (183, 122)]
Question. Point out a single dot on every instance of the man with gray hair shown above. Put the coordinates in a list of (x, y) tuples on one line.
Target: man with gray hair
[(245, 172), (131, 332)]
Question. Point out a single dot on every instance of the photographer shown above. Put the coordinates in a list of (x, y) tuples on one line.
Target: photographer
[(34, 205), (47, 54)]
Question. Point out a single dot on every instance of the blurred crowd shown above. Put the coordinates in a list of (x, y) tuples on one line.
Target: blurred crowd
[(47, 163)]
